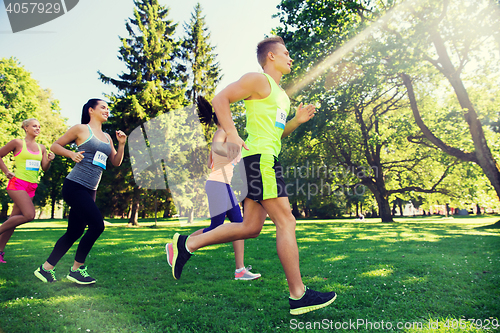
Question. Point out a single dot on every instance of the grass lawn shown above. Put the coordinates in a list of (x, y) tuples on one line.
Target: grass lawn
[(418, 273)]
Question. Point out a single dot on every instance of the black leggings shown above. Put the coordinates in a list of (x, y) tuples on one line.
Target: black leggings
[(83, 212)]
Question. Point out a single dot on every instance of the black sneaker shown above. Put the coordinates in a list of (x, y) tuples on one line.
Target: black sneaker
[(80, 276), (310, 301), (181, 255), (45, 275)]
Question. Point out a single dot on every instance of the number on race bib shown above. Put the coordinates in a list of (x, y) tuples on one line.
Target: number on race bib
[(100, 159), (32, 165), (280, 119)]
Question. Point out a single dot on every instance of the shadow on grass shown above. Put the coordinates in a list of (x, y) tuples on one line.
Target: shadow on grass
[(495, 225)]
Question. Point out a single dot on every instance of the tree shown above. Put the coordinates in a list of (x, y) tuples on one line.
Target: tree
[(49, 189), (204, 74), (204, 70), (152, 85), (53, 127), (360, 125), (448, 35), (18, 101), (21, 98)]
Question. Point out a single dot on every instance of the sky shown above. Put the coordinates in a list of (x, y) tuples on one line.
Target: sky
[(65, 54)]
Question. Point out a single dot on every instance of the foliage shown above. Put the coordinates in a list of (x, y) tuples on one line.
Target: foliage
[(457, 40), (204, 71), (351, 59), (21, 98), (151, 86)]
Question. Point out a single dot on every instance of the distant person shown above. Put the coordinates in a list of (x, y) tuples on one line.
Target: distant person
[(29, 157), (80, 187), (267, 107), (221, 200)]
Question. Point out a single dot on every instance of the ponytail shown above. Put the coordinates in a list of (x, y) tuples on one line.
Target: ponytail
[(91, 103), (206, 112)]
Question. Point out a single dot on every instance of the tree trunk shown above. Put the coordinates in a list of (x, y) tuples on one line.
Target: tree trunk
[(190, 215), (134, 214), (382, 199), (295, 209), (53, 207), (4, 211)]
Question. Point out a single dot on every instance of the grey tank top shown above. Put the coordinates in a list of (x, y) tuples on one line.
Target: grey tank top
[(88, 172)]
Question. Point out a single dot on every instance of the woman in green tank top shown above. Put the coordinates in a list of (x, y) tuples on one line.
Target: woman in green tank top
[(29, 156)]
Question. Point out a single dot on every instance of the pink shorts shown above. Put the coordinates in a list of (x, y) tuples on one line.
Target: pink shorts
[(16, 184)]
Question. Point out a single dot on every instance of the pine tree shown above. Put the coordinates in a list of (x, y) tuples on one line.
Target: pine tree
[(153, 84), (204, 70), (204, 74)]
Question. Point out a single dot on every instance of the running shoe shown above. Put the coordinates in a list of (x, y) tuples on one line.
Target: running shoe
[(169, 249), (2, 261), (80, 276), (245, 274), (310, 301), (181, 255), (45, 275)]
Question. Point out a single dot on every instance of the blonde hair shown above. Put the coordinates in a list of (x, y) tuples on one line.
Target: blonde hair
[(26, 123)]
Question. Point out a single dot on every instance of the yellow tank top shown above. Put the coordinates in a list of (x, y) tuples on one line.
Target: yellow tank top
[(266, 120), (28, 164)]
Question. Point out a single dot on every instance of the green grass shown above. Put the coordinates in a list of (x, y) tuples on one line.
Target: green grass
[(415, 271)]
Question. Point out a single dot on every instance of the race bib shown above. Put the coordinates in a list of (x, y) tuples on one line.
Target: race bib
[(32, 165), (100, 159), (280, 119)]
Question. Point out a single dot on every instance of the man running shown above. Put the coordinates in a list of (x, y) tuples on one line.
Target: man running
[(267, 107)]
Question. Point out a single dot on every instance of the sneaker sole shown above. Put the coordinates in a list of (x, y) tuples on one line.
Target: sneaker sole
[(306, 309), (247, 279), (176, 253), (41, 277), (72, 279), (169, 260)]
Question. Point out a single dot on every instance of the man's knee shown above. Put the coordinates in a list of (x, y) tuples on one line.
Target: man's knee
[(252, 231), (287, 221)]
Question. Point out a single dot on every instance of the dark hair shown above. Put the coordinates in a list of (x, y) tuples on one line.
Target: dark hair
[(91, 103), (265, 46), (206, 112)]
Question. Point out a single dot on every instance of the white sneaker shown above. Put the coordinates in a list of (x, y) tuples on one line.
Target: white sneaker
[(245, 274)]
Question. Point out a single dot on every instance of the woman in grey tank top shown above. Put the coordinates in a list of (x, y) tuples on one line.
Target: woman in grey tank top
[(94, 149)]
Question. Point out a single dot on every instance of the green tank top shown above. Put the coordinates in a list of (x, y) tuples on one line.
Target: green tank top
[(266, 120), (28, 164)]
